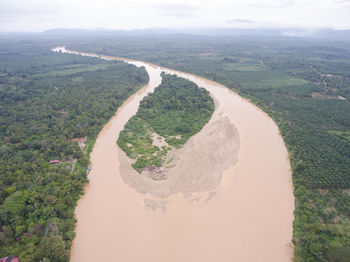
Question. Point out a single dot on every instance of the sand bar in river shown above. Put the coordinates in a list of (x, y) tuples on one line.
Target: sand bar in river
[(247, 216)]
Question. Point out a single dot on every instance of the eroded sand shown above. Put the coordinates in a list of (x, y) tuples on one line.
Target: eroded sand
[(158, 140), (198, 165), (247, 216)]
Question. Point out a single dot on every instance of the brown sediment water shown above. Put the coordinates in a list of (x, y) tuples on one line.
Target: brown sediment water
[(246, 216)]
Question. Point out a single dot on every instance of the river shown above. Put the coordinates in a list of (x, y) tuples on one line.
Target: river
[(247, 216)]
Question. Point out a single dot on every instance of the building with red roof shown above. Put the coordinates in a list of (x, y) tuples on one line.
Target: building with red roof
[(10, 259), (52, 162)]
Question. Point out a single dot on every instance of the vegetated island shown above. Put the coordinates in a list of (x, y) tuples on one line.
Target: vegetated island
[(166, 119), (305, 87)]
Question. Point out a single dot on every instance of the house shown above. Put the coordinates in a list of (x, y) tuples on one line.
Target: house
[(53, 162), (81, 141), (10, 259)]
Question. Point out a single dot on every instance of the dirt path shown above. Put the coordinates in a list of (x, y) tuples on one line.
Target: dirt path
[(73, 165)]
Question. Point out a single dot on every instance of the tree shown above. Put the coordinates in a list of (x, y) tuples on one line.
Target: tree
[(53, 248)]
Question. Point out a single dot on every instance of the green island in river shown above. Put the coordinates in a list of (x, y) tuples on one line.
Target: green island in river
[(166, 119)]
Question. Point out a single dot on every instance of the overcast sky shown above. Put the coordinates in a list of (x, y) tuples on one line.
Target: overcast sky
[(40, 15)]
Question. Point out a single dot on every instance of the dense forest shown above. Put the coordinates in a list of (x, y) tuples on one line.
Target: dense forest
[(176, 110), (52, 107), (304, 85)]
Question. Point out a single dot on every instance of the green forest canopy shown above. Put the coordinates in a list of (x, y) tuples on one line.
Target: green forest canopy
[(176, 110), (48, 99), (304, 85)]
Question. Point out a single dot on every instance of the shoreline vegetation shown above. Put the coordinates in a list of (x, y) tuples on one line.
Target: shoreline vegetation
[(166, 119), (304, 86), (285, 78), (49, 101), (122, 199)]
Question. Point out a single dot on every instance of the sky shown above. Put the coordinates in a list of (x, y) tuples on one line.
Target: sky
[(41, 15)]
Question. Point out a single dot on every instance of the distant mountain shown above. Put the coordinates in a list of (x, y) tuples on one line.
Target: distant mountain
[(108, 32), (326, 33), (341, 35)]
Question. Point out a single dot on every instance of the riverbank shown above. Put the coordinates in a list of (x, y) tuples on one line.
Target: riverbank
[(247, 217)]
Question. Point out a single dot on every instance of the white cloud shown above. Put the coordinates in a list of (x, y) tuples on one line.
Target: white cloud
[(38, 15), (177, 10), (242, 21)]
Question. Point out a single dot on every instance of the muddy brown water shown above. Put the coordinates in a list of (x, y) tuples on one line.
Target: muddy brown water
[(249, 218)]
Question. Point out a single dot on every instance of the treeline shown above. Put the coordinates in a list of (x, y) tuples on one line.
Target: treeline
[(176, 110), (297, 77), (304, 86), (46, 100), (321, 159), (320, 165)]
